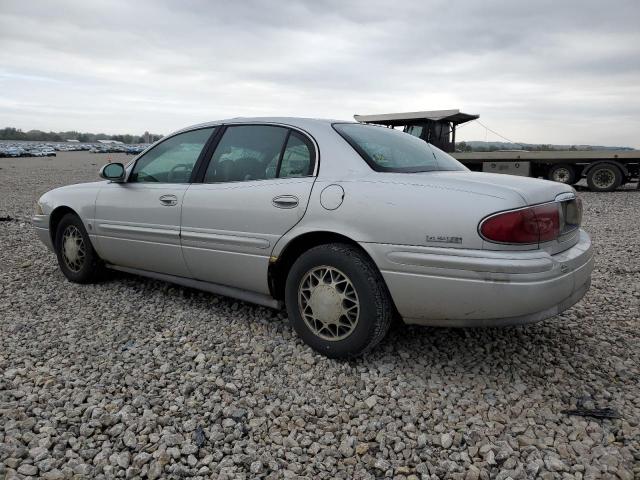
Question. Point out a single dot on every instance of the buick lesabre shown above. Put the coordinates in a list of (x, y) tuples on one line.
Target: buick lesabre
[(346, 225)]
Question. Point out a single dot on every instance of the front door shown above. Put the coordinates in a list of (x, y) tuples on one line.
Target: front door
[(255, 188), (138, 222)]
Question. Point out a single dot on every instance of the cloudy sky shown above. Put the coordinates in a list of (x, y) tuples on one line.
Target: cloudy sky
[(545, 71)]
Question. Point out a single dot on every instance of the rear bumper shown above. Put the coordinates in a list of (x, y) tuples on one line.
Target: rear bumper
[(473, 288)]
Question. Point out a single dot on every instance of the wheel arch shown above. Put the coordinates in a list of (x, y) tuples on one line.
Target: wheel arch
[(54, 220), (621, 166), (279, 266)]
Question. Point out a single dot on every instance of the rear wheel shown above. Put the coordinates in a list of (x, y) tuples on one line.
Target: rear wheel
[(604, 178), (76, 257), (562, 174), (337, 301)]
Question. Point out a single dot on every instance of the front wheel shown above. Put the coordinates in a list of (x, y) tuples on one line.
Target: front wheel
[(76, 257), (337, 301)]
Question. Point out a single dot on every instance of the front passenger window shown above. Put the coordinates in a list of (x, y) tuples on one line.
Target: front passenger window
[(171, 161)]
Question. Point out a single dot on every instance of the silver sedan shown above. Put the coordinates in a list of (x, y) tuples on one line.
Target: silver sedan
[(347, 225)]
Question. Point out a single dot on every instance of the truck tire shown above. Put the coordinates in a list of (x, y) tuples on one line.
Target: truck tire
[(562, 173), (337, 301), (604, 177)]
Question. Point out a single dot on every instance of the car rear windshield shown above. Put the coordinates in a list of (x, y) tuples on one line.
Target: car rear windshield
[(389, 150)]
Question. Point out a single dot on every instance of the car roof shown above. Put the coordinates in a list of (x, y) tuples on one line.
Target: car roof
[(303, 123)]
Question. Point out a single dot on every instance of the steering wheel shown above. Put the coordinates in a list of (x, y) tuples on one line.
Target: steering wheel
[(175, 169)]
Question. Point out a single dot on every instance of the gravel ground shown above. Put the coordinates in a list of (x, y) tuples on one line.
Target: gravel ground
[(138, 378)]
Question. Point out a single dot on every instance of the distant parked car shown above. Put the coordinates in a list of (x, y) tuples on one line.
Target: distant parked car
[(135, 149), (16, 152), (38, 151), (49, 151), (345, 224)]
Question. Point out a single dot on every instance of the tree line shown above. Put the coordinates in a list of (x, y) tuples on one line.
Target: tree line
[(10, 133), (489, 147)]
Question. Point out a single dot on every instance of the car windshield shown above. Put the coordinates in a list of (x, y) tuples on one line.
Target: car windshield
[(389, 150)]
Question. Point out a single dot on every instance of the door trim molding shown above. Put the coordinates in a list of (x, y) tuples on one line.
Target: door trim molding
[(202, 236), (120, 227)]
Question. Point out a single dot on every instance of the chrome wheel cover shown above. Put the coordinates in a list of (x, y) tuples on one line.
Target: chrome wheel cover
[(604, 178), (74, 251), (328, 303), (561, 175)]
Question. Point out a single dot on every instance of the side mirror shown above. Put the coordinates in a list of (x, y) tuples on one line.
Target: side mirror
[(114, 172)]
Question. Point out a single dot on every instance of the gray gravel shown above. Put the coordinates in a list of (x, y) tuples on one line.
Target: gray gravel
[(138, 378)]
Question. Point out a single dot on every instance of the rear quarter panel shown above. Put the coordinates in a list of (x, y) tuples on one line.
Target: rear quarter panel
[(375, 210)]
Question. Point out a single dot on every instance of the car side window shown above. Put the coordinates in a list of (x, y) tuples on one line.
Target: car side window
[(297, 158), (246, 152), (171, 161)]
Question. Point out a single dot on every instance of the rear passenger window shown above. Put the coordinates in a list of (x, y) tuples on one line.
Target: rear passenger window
[(296, 160), (246, 152), (259, 152)]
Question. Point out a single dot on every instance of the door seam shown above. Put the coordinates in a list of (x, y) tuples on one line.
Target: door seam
[(184, 259)]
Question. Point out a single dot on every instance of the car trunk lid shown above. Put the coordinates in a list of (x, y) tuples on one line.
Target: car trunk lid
[(532, 190)]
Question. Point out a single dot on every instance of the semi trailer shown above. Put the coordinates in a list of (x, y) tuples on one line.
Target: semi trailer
[(604, 170)]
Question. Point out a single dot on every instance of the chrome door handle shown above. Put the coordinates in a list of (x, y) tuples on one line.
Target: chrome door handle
[(285, 201), (168, 200)]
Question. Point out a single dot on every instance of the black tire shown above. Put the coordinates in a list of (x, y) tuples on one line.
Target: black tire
[(605, 177), (375, 307), (562, 173), (87, 270)]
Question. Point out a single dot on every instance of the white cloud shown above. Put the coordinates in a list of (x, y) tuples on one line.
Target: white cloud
[(543, 71)]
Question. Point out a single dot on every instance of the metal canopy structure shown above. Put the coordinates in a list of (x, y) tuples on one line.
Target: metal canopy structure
[(400, 119), (437, 127)]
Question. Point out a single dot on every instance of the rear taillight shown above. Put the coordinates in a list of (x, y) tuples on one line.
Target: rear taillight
[(527, 225), (548, 221)]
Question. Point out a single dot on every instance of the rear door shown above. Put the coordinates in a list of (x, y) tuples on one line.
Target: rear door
[(138, 222), (255, 188)]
